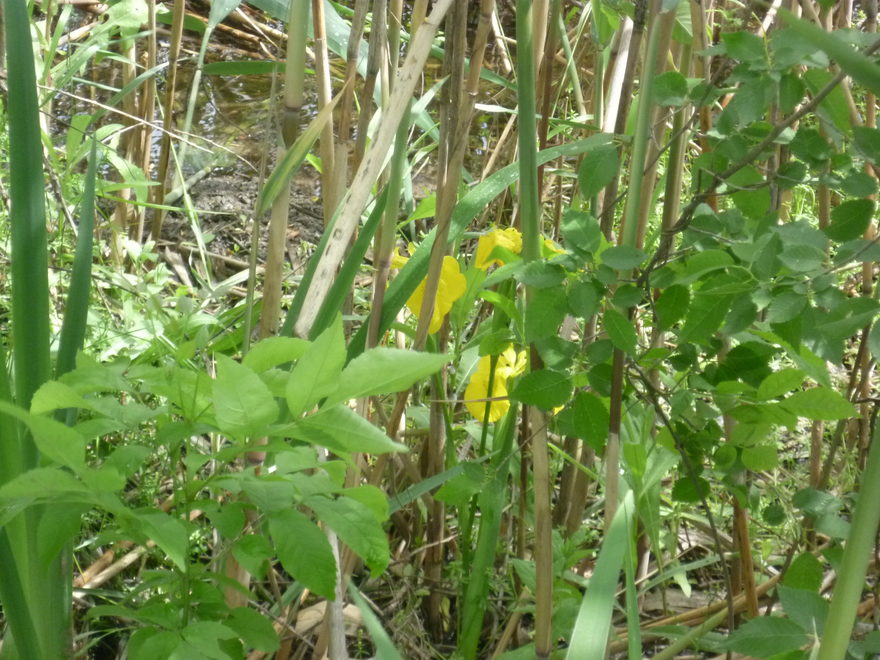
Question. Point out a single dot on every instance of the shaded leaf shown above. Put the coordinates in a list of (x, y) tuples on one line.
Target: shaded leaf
[(304, 551), (621, 331), (544, 388)]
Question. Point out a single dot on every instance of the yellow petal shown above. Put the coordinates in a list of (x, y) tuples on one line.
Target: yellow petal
[(550, 249), (397, 260), (451, 287), (509, 238), (478, 390)]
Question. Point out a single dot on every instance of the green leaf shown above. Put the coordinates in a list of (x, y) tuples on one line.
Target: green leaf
[(304, 551), (621, 331), (254, 629), (819, 403), (766, 636), (583, 298), (170, 534), (690, 490), (206, 637), (855, 64), (544, 314), (867, 141), (780, 382), (589, 636), (357, 527), (760, 457), (253, 551), (816, 502), (706, 313), (805, 573), (806, 608), (590, 416), (752, 196), (384, 371), (622, 257), (243, 403), (785, 307), (459, 490), (744, 46), (220, 9), (544, 388), (385, 648), (56, 441), (598, 169), (581, 232), (672, 305), (541, 274), (340, 429), (273, 351), (850, 219), (316, 373), (670, 88)]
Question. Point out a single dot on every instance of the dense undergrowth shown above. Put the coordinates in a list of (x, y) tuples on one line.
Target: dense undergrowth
[(581, 364)]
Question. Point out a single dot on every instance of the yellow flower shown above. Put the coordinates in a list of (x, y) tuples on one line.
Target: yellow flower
[(508, 365), (451, 287), (550, 249), (509, 239)]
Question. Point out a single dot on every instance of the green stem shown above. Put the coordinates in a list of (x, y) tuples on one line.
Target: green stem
[(856, 557)]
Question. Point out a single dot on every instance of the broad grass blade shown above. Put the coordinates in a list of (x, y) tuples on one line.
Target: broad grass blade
[(590, 634)]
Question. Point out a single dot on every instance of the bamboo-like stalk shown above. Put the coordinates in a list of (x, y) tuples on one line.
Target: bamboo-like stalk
[(376, 71), (294, 84), (630, 229), (530, 222), (158, 191), (351, 208), (330, 179)]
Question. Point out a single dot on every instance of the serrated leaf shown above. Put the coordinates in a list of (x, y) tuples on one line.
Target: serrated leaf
[(620, 331), (304, 551), (672, 305), (357, 528), (670, 88), (544, 388), (779, 383), (867, 141), (384, 371), (590, 418), (805, 573), (583, 298), (541, 274), (243, 404), (850, 219), (544, 314), (316, 373), (622, 257), (766, 636), (806, 608), (819, 403), (598, 168), (855, 64), (581, 232), (760, 457), (340, 429), (705, 315)]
